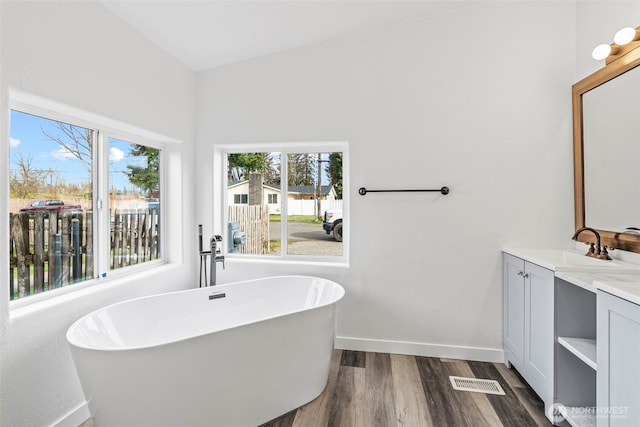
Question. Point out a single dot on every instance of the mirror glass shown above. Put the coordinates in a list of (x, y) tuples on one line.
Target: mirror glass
[(611, 153)]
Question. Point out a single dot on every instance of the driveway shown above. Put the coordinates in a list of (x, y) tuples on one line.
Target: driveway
[(307, 239)]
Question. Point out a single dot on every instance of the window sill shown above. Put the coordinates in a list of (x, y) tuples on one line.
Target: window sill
[(47, 300), (279, 260)]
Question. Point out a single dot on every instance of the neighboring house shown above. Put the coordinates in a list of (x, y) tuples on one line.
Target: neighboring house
[(308, 192), (238, 194)]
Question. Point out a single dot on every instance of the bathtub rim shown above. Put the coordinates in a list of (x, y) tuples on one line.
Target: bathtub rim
[(74, 343)]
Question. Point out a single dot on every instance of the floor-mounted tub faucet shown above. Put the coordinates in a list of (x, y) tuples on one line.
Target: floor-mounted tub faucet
[(598, 251), (216, 257)]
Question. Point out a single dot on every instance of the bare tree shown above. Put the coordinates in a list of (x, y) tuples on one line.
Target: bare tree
[(26, 180), (76, 141)]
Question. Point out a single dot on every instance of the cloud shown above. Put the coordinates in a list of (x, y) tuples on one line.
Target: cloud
[(62, 154), (116, 154), (14, 142)]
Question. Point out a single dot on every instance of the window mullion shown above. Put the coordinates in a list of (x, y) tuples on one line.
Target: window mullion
[(101, 225), (284, 206)]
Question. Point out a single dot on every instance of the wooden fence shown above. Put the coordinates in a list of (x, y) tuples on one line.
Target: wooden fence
[(254, 222), (134, 237), (49, 250)]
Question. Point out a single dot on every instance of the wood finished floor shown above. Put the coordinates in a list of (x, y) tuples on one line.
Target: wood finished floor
[(384, 390)]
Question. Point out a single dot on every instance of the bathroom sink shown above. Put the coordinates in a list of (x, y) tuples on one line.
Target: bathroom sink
[(572, 258), (572, 261)]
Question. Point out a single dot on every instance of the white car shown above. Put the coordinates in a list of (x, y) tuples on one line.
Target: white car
[(333, 223)]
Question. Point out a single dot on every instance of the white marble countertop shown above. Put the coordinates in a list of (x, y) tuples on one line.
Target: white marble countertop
[(617, 277), (569, 260), (626, 289), (584, 280)]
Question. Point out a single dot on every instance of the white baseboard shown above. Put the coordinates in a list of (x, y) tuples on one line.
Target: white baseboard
[(420, 349), (75, 417)]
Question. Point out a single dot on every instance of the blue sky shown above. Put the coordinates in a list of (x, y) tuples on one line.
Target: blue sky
[(27, 138)]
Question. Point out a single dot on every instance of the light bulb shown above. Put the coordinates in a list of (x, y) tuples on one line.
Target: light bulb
[(624, 36), (601, 51)]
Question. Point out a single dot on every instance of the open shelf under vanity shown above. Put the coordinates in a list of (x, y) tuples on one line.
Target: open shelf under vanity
[(576, 361)]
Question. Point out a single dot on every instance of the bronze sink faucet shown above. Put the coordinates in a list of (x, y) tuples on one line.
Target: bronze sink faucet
[(598, 251)]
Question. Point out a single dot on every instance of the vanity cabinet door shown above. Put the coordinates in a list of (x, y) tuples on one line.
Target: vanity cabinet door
[(513, 310), (618, 353), (528, 330), (539, 334)]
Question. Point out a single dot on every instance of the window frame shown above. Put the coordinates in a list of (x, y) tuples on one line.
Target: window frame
[(132, 139), (104, 128), (220, 194), (243, 199)]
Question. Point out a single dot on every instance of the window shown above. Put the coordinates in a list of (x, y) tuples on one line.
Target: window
[(51, 204), (60, 166), (134, 203), (240, 199), (292, 225)]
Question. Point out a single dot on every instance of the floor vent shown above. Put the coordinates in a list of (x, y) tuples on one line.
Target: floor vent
[(476, 385)]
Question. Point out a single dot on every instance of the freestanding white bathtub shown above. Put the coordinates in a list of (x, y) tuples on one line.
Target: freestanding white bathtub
[(231, 355)]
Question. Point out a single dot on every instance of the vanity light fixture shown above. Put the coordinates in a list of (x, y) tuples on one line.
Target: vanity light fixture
[(625, 40), (601, 51), (624, 36)]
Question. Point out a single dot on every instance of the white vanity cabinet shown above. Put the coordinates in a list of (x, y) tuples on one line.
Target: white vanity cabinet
[(618, 352), (529, 323), (572, 330)]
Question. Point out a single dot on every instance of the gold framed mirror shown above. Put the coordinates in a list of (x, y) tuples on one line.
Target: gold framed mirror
[(599, 154)]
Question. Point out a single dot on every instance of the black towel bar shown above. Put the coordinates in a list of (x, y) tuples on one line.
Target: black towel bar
[(362, 191)]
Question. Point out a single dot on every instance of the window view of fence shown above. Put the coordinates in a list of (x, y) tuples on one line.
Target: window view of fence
[(313, 187), (134, 203), (51, 183), (48, 250), (53, 227)]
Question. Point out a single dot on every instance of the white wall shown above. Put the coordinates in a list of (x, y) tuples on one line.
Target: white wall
[(78, 53), (477, 99)]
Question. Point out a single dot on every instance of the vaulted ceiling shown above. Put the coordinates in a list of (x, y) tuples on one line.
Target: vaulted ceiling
[(204, 34)]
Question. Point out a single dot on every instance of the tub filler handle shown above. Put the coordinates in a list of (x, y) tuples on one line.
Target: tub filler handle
[(216, 257)]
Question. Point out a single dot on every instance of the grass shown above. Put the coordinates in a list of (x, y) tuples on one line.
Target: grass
[(306, 219), (31, 270)]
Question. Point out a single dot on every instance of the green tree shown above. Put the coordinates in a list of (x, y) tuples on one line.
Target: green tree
[(240, 165), (334, 170), (302, 169), (146, 177)]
